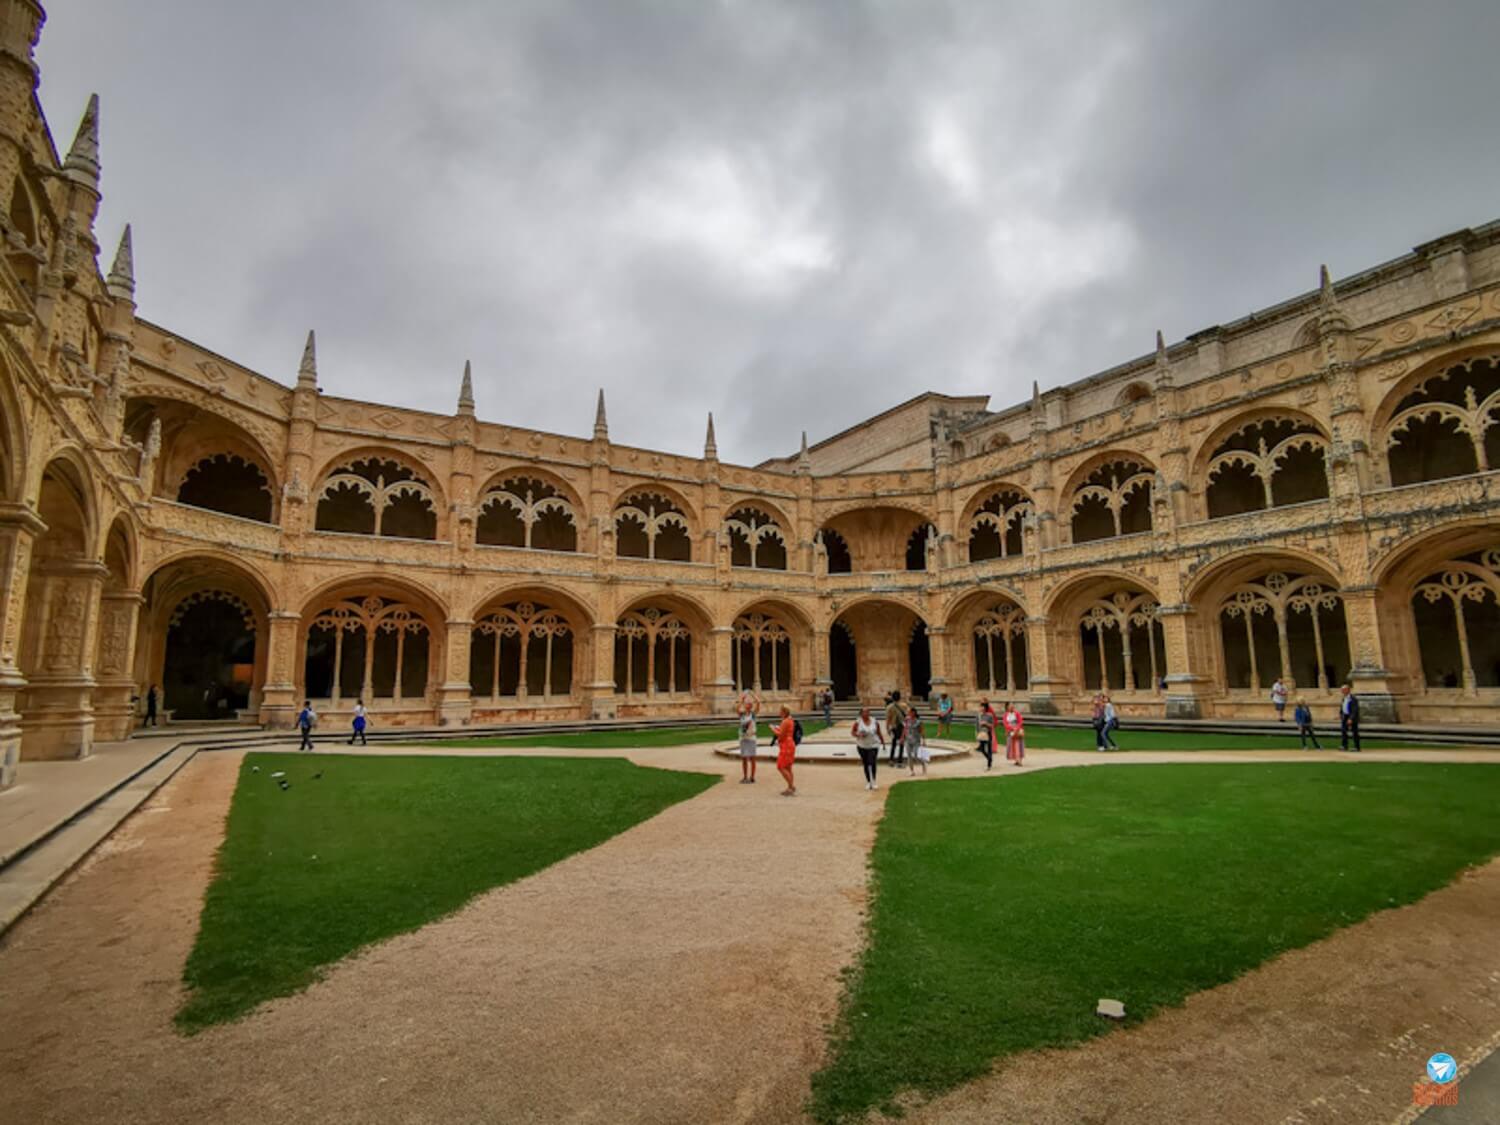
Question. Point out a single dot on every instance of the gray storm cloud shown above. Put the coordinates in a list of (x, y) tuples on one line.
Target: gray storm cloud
[(794, 215)]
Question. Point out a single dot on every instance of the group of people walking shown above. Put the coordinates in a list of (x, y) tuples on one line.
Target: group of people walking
[(987, 724), (1303, 717)]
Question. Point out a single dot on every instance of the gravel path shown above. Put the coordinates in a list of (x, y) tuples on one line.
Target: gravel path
[(684, 971)]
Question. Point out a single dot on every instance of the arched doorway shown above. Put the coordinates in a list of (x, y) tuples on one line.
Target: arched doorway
[(843, 662), (887, 651), (209, 666)]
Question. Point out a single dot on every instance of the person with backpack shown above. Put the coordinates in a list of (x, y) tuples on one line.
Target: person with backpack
[(1101, 734), (786, 749), (916, 743), (984, 727), (358, 727), (827, 703), (1302, 716), (1015, 734), (868, 739), (306, 719), (895, 717), (1111, 723)]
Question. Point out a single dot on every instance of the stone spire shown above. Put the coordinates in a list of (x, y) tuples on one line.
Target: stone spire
[(1038, 418), (307, 374), (1163, 366), (710, 446), (1161, 348), (1326, 296), (804, 462), (466, 391), (601, 421), (121, 282), (82, 162)]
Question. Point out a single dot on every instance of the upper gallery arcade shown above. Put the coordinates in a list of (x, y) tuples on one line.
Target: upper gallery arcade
[(1309, 493)]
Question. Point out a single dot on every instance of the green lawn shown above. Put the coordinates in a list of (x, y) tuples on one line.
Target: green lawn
[(379, 846), (1001, 914), (1042, 737), (619, 739)]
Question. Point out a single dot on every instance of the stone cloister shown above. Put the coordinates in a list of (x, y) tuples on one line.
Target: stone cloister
[(1309, 493)]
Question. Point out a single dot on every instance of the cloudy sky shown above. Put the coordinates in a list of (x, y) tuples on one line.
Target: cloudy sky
[(792, 214)]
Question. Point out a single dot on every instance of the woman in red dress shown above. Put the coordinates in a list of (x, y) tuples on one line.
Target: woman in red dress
[(786, 752), (1015, 734)]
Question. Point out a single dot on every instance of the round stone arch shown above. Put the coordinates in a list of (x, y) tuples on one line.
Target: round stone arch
[(530, 643), (1086, 671), (878, 533), (653, 660), (202, 453), (1397, 575), (667, 491), (788, 671), (980, 493), (643, 543), (985, 631), (1207, 448), (550, 521), (525, 469), (1263, 614), (396, 657), (203, 638), (759, 549), (891, 647), (1077, 479), (1386, 413), (420, 469)]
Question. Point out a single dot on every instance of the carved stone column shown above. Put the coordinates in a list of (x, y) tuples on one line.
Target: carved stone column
[(57, 715), (114, 713), (822, 661), (279, 703), (600, 690), (1050, 684), (1369, 677), (455, 703), (19, 525), (1186, 687), (721, 688), (938, 654)]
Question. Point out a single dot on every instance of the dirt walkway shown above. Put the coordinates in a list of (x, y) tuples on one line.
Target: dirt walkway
[(683, 971)]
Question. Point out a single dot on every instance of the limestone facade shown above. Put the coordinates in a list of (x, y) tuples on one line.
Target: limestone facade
[(1311, 493)]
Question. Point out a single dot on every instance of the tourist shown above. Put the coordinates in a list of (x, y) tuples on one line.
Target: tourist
[(868, 740), (1348, 719), (786, 754), (749, 701), (916, 744), (150, 719), (895, 717), (1111, 722), (1302, 716), (945, 715), (305, 721), (1278, 699), (1015, 734), (827, 701), (747, 748), (984, 727), (1101, 740), (359, 724)]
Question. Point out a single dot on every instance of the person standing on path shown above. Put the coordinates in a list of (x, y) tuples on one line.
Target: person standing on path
[(1302, 716), (827, 701), (916, 742), (747, 748), (1015, 734), (1278, 699), (1111, 722), (895, 715), (1348, 719), (1100, 735), (868, 740), (150, 719), (305, 720), (786, 752), (945, 715), (360, 722), (984, 727)]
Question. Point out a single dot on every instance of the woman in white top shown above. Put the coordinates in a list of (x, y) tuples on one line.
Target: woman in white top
[(747, 747), (868, 739)]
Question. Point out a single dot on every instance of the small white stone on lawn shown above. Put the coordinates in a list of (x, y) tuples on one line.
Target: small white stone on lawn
[(279, 773), (1111, 1008)]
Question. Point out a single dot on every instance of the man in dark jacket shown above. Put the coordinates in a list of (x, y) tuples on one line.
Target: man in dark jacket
[(1348, 719)]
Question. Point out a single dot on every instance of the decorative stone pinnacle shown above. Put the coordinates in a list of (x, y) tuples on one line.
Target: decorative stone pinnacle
[(1325, 288), (307, 373), (804, 462), (82, 162), (121, 281), (466, 391), (601, 421), (710, 446), (1161, 347)]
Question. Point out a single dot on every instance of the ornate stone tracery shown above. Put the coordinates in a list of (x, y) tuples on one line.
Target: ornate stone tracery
[(756, 540), (650, 526), (1442, 426), (524, 509), (1266, 463), (1122, 616), (371, 492), (653, 653), (762, 653), (1284, 601), (366, 623), (995, 531), (541, 653), (1114, 500), (1003, 623), (1469, 588)]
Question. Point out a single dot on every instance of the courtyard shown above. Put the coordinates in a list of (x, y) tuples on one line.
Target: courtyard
[(608, 933)]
